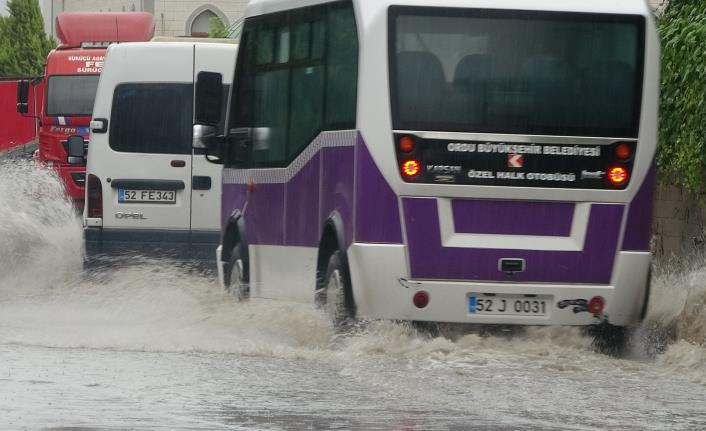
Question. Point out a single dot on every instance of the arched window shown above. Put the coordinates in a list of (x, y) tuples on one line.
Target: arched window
[(199, 21)]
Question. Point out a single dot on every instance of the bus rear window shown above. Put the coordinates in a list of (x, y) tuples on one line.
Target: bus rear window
[(516, 72)]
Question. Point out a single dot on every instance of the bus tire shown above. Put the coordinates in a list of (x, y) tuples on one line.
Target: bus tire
[(334, 293), (611, 340), (237, 275)]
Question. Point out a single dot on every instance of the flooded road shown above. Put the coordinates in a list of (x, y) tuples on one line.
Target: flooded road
[(155, 346)]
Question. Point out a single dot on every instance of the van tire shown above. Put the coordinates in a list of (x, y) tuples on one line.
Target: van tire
[(237, 275), (334, 293)]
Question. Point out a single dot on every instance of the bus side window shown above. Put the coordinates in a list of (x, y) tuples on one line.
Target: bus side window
[(307, 98), (297, 79), (342, 69)]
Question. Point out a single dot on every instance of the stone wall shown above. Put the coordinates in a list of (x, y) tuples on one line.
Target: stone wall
[(679, 221)]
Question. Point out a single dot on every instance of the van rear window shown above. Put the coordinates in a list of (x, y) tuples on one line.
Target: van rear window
[(152, 118)]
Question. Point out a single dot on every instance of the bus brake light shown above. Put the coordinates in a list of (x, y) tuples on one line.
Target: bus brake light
[(617, 175), (411, 168)]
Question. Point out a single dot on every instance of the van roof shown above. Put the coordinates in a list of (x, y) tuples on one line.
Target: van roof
[(75, 28), (158, 45), (194, 39)]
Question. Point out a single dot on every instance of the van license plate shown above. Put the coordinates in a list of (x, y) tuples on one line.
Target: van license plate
[(146, 196), (508, 305)]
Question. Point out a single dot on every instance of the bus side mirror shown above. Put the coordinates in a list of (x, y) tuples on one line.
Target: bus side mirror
[(208, 102), (209, 98), (23, 96), (76, 150)]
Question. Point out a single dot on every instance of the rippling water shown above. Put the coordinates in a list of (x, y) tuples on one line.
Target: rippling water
[(155, 345)]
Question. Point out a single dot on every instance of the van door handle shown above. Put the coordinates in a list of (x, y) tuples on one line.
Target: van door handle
[(178, 163), (201, 183)]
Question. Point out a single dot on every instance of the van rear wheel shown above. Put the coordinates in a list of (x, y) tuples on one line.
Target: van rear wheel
[(334, 293), (237, 275)]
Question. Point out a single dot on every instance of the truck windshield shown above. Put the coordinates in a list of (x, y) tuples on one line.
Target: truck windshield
[(516, 72), (71, 95)]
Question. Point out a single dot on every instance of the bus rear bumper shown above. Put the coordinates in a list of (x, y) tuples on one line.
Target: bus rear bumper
[(382, 291)]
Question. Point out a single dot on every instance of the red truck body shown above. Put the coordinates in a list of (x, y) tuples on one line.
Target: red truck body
[(17, 129), (70, 83)]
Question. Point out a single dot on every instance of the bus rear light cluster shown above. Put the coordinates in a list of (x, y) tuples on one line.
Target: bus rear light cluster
[(94, 196), (421, 299), (596, 305), (411, 168), (617, 175)]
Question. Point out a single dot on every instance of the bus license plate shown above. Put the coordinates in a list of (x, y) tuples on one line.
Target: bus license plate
[(147, 196), (508, 305)]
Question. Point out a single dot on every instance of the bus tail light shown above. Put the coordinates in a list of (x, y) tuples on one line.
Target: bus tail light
[(623, 152), (596, 305), (618, 175), (411, 168), (94, 194), (421, 299), (406, 144)]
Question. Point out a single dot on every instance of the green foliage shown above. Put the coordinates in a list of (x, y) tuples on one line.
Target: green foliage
[(23, 44), (682, 135), (217, 28), (4, 46)]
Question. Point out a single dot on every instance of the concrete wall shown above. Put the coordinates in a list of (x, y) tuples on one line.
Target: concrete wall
[(679, 221)]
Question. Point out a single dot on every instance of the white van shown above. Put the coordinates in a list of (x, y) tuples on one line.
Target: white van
[(147, 191)]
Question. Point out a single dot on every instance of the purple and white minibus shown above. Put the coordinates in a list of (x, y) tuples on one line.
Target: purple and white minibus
[(472, 161)]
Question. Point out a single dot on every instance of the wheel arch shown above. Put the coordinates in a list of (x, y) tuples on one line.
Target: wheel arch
[(333, 239), (234, 233)]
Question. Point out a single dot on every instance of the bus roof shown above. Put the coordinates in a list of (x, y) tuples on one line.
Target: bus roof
[(76, 28), (633, 7)]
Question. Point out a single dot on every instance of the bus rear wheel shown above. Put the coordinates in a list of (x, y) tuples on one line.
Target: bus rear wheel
[(334, 293), (611, 340), (237, 275)]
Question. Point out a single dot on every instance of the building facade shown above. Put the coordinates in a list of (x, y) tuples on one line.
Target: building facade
[(172, 17)]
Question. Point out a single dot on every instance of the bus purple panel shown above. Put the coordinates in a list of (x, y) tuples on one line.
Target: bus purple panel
[(512, 217), (266, 205), (337, 190), (429, 259), (638, 230), (303, 205), (377, 208)]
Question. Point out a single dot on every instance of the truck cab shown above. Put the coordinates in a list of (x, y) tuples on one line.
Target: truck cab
[(70, 82)]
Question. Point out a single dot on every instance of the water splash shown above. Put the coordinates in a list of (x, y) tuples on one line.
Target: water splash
[(157, 305)]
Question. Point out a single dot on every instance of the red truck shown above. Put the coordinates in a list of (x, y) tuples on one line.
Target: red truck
[(70, 82)]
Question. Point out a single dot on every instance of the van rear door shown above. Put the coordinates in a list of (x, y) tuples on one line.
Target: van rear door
[(150, 173), (148, 166)]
